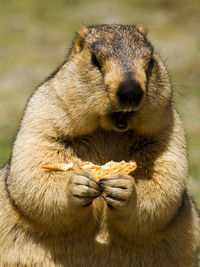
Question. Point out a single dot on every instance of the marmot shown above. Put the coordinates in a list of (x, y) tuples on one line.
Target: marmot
[(111, 99)]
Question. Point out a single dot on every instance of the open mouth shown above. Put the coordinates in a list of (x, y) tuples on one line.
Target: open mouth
[(120, 119)]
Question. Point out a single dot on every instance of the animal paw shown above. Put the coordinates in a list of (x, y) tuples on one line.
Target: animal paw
[(118, 190), (83, 188)]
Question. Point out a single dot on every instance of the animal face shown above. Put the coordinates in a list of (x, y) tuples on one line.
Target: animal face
[(118, 68)]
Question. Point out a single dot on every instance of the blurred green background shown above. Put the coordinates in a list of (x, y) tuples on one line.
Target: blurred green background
[(35, 36)]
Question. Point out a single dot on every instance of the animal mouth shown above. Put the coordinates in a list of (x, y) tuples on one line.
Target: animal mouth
[(120, 119)]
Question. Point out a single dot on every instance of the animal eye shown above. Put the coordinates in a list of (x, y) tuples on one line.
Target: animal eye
[(150, 67), (151, 63), (95, 62)]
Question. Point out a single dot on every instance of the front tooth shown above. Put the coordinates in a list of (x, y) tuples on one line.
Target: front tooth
[(127, 110)]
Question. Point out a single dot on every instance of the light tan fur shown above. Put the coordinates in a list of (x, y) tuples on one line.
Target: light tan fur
[(45, 216)]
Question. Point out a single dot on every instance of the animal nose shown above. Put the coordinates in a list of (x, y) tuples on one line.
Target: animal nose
[(130, 93)]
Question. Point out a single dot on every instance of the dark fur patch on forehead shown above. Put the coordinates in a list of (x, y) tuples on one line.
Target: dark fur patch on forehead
[(123, 42), (114, 28), (116, 35)]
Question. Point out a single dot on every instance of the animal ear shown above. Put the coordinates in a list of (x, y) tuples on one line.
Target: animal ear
[(79, 41), (142, 29)]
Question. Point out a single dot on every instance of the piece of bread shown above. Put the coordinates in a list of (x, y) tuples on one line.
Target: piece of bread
[(109, 169)]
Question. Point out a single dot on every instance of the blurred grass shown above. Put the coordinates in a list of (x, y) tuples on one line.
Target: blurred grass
[(35, 35)]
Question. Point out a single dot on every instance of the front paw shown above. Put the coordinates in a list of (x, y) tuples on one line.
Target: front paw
[(83, 188), (118, 190)]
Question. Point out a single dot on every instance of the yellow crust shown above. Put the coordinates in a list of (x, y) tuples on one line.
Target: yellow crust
[(58, 167), (109, 169)]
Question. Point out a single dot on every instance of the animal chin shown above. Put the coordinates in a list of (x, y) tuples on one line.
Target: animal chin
[(120, 120)]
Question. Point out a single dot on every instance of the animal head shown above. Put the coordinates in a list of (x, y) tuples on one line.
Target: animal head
[(114, 75)]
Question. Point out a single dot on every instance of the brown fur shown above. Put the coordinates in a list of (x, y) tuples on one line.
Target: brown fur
[(57, 218)]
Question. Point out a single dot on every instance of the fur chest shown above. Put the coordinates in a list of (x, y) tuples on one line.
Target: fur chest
[(102, 146)]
